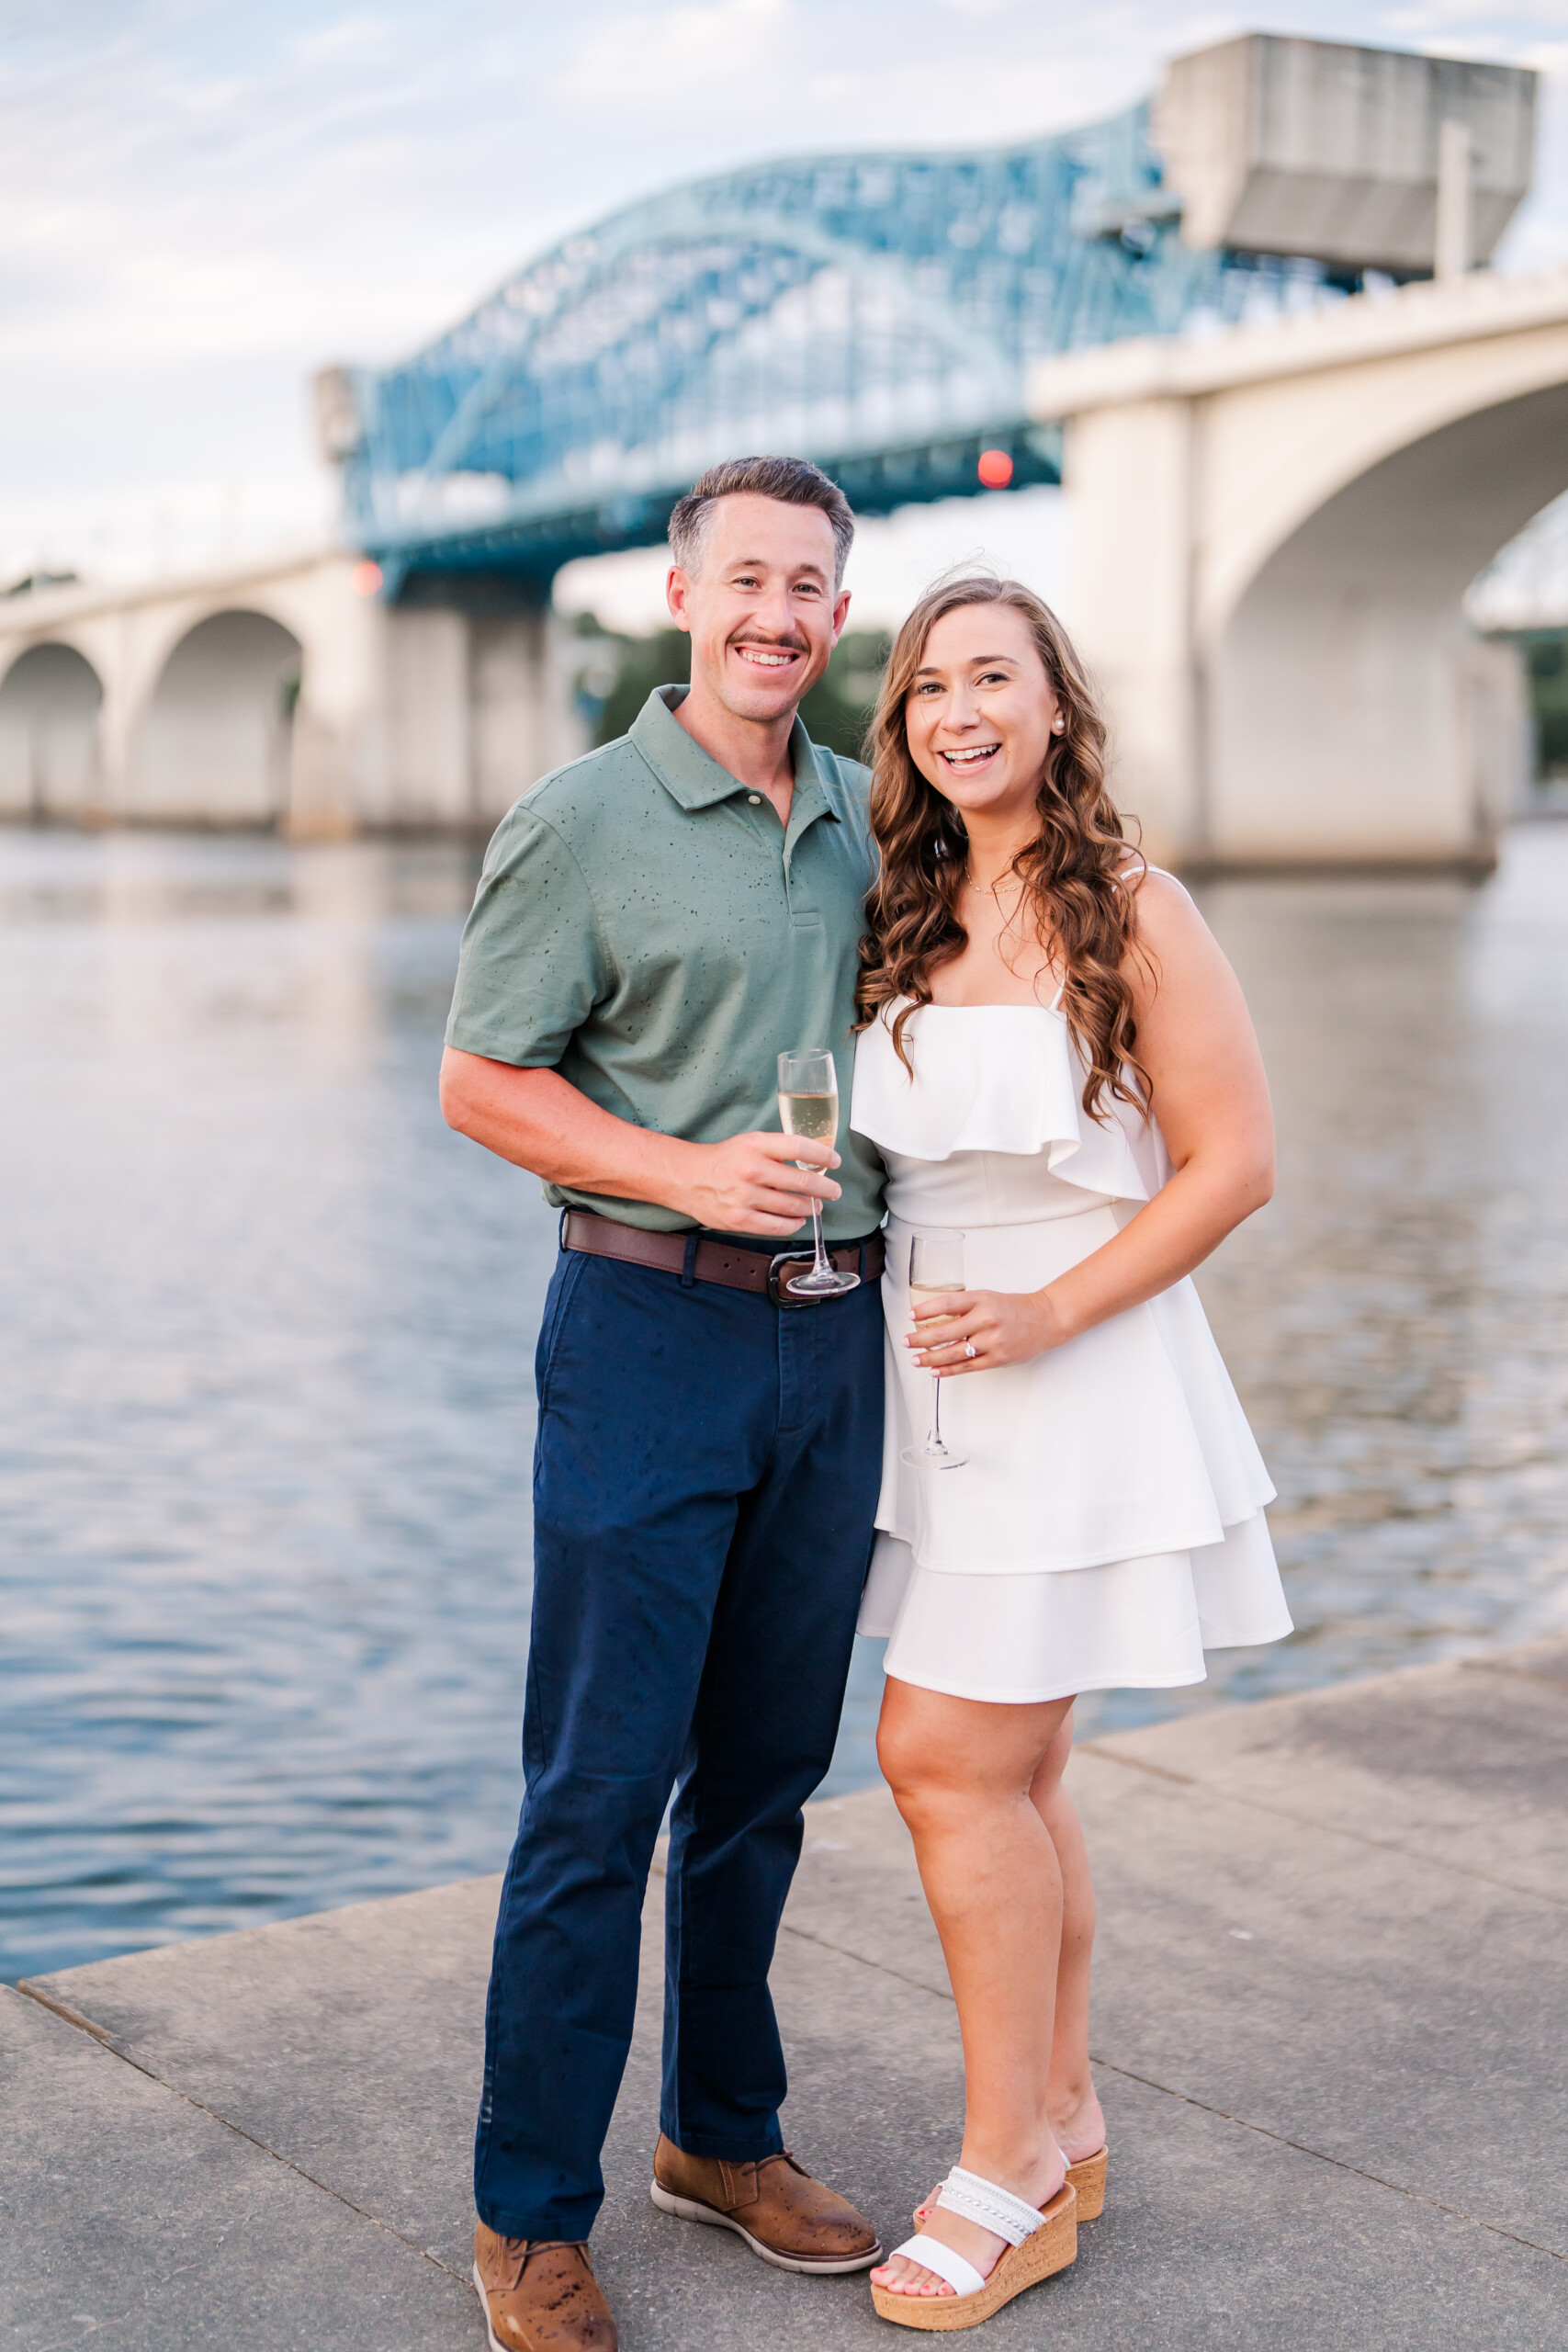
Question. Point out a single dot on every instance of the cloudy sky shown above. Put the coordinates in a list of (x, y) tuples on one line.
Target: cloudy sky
[(203, 200)]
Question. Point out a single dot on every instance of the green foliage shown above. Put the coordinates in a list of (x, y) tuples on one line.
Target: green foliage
[(640, 664), (616, 676), (1546, 660), (838, 710)]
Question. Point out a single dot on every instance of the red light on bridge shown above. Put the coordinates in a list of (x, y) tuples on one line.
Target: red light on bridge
[(995, 468), (366, 576)]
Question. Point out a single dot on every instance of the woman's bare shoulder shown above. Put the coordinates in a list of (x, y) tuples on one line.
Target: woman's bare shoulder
[(1174, 949), (1162, 901)]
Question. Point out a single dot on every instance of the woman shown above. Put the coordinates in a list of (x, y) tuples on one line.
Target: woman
[(1056, 1061)]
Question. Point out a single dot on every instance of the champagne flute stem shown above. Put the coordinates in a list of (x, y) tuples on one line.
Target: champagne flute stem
[(819, 1265), (936, 1413)]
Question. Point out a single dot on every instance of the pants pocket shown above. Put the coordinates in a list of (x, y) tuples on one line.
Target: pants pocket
[(569, 1274)]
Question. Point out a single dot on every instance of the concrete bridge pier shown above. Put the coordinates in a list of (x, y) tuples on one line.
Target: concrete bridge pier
[(466, 702), (1272, 532)]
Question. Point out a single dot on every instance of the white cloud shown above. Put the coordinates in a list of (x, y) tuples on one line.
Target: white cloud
[(663, 56)]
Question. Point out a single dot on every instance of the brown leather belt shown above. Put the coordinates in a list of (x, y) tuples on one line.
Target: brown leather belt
[(728, 1264)]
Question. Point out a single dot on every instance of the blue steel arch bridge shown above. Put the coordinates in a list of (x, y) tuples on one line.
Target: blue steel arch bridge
[(877, 312)]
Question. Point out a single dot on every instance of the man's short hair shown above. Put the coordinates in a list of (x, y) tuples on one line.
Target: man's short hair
[(793, 480)]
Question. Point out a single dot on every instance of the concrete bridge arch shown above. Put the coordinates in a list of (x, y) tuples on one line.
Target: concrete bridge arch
[(1345, 698), (1273, 531), (226, 692), (50, 695), (212, 740), (196, 683)]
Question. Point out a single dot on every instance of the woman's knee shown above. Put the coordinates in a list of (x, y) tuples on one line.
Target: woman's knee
[(904, 1757), (920, 1763), (937, 1752)]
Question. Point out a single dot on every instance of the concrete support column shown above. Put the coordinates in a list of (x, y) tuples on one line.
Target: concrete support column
[(1496, 736), (428, 774), (338, 755), (1129, 473), (521, 719), (129, 675), (466, 703), (117, 721)]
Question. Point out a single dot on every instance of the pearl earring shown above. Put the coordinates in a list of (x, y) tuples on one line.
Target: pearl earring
[(1058, 727)]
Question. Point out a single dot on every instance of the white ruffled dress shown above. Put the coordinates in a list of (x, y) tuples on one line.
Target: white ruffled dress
[(1107, 1526)]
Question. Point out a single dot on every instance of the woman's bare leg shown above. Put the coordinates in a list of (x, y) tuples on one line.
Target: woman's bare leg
[(964, 1774), (1074, 2111)]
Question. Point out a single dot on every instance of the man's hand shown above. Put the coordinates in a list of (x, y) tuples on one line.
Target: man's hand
[(533, 1117), (750, 1184)]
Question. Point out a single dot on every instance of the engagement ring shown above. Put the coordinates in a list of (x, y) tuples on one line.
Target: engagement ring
[(970, 1348)]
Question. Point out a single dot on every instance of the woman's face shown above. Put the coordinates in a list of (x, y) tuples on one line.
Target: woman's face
[(980, 714)]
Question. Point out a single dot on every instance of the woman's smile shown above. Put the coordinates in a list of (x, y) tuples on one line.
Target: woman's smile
[(968, 758)]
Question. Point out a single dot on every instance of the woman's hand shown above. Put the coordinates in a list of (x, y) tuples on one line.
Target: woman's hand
[(980, 1330)]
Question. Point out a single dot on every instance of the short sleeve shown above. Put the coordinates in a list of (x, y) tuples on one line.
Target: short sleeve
[(532, 963)]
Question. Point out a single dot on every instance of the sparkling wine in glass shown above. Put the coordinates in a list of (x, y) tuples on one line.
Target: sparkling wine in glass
[(936, 1268), (808, 1106)]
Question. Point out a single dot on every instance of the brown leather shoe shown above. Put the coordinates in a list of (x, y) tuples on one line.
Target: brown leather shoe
[(782, 2214), (540, 2295)]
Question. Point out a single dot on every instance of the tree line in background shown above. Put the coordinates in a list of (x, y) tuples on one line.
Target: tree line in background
[(614, 675)]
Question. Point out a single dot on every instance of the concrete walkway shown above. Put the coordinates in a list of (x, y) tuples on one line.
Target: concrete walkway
[(1331, 2030)]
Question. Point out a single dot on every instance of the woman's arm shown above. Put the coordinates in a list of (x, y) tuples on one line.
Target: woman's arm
[(1196, 1041)]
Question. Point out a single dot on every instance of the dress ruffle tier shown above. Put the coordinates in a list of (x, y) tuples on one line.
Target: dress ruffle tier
[(1108, 1520)]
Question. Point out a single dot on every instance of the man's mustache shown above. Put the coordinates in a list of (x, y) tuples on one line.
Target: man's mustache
[(773, 644)]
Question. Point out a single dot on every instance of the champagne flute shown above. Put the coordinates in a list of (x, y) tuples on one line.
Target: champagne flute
[(936, 1268), (808, 1106)]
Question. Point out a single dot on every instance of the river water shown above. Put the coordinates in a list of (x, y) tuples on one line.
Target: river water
[(267, 1412)]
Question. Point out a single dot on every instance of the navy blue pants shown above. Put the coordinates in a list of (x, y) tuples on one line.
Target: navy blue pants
[(704, 1490)]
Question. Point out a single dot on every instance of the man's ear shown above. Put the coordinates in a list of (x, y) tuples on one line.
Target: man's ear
[(677, 589), (840, 612)]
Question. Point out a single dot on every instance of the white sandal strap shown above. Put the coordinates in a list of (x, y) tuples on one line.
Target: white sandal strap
[(993, 2209), (931, 2254)]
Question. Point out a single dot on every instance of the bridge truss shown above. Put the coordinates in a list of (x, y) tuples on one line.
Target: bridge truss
[(877, 312)]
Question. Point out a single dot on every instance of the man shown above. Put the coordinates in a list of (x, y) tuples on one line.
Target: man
[(654, 926)]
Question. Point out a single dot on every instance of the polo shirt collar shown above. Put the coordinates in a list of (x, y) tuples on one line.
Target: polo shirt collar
[(691, 777)]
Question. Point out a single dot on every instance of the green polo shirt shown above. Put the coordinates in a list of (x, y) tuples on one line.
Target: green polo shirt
[(645, 926)]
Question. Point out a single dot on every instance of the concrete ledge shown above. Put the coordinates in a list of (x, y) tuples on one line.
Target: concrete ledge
[(1329, 2030)]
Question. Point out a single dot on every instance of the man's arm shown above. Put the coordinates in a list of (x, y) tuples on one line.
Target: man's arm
[(537, 1120)]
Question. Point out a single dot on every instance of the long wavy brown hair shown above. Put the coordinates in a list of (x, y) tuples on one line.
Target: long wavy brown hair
[(1079, 873)]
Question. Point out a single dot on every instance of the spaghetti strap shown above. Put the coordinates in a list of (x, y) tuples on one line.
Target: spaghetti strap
[(1057, 1000), (1147, 867)]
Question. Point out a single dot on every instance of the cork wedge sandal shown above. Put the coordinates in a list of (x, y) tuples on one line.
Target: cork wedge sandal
[(1039, 2241), (1087, 2177)]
